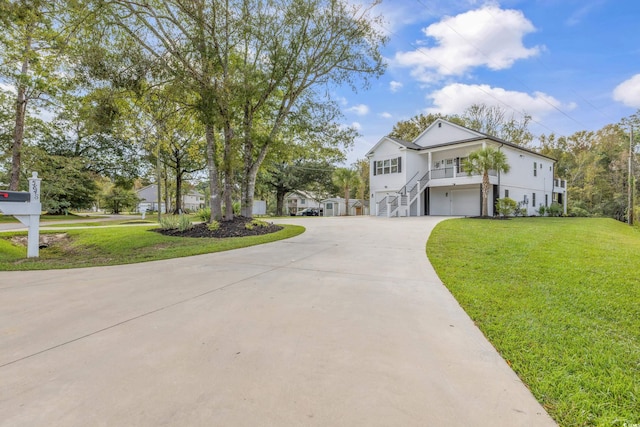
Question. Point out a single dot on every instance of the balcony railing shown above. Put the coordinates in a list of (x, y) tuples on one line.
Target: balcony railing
[(460, 172)]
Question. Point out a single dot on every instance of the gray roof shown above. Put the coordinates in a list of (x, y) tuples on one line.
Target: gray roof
[(405, 143)]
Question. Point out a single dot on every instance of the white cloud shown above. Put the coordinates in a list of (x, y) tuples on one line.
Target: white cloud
[(357, 126), (488, 36), (628, 92), (385, 115), (360, 109), (395, 86), (455, 98)]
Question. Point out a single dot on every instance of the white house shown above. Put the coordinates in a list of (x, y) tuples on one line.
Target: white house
[(336, 206), (427, 177), (298, 200), (193, 201), (149, 199)]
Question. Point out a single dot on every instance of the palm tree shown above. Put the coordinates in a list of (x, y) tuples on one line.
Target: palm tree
[(346, 179), (481, 162)]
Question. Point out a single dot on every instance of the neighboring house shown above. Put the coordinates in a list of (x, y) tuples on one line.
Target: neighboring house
[(193, 201), (296, 201), (336, 206), (427, 176), (149, 199)]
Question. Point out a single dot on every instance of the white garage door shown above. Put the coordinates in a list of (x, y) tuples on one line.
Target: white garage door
[(466, 202)]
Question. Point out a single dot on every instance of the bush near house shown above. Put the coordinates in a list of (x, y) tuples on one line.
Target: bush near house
[(558, 298), (506, 206)]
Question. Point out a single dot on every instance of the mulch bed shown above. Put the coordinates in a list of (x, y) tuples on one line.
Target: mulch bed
[(234, 228)]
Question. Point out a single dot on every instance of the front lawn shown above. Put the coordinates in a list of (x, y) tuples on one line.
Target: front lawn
[(560, 300), (91, 247)]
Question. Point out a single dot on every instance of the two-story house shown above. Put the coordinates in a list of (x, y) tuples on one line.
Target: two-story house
[(299, 200), (427, 176)]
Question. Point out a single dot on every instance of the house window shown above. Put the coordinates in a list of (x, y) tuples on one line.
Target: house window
[(533, 200), (387, 167), (506, 193), (383, 167), (394, 165), (535, 170), (546, 200), (329, 206), (303, 201)]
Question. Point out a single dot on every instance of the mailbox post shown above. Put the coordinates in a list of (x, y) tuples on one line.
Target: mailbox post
[(26, 208)]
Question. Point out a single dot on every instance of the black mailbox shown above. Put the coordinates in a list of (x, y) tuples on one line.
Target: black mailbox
[(15, 196)]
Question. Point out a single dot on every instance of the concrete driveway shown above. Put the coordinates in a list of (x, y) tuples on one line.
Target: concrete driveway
[(345, 325)]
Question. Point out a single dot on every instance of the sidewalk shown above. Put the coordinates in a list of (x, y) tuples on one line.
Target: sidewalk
[(344, 325)]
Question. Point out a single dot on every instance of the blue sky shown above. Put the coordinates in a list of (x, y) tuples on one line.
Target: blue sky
[(571, 64)]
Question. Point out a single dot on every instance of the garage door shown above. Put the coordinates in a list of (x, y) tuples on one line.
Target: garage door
[(466, 202)]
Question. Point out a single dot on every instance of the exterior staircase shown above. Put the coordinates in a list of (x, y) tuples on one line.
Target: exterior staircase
[(405, 203)]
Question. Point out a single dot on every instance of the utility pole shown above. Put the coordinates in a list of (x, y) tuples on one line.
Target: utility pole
[(631, 183)]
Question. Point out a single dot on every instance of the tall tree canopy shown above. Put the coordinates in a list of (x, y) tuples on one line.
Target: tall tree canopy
[(255, 66)]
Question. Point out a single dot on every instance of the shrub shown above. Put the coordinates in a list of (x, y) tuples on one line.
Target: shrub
[(520, 210), (184, 223), (542, 210), (506, 206), (204, 214), (555, 209), (213, 225), (169, 222), (175, 222), (255, 223)]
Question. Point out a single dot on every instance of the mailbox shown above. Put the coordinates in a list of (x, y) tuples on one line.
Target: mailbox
[(15, 196)]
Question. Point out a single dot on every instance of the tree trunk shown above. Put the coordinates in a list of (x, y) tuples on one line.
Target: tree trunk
[(18, 132), (178, 208), (228, 173), (167, 199), (214, 187), (249, 184), (280, 193), (485, 193), (346, 200)]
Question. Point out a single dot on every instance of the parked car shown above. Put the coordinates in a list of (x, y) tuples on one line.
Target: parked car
[(310, 212)]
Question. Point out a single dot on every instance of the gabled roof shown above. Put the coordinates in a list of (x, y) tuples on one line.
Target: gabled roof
[(439, 122), (405, 143), (352, 202), (474, 136), (399, 142), (301, 193)]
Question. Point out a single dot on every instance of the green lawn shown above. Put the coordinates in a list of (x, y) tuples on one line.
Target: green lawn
[(121, 245), (70, 217), (560, 300)]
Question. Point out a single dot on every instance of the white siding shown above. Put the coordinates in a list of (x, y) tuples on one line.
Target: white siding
[(388, 182), (521, 181), (442, 132)]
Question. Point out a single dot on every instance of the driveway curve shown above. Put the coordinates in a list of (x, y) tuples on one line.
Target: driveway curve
[(344, 325)]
